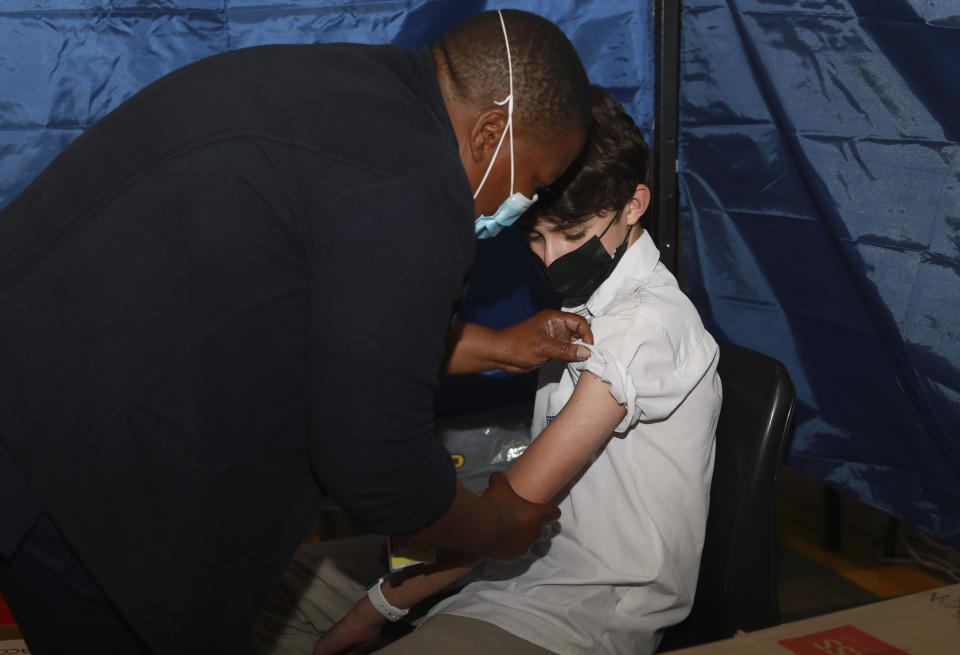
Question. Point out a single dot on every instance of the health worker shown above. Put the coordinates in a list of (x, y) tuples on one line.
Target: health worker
[(232, 296)]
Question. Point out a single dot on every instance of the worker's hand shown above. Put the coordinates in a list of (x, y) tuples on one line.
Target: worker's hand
[(523, 523), (349, 635), (546, 335)]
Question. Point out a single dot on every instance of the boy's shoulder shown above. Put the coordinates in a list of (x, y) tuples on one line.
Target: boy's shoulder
[(654, 317), (640, 286), (641, 308), (653, 301)]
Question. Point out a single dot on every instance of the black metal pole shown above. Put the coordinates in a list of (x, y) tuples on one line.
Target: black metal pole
[(664, 215), (831, 518)]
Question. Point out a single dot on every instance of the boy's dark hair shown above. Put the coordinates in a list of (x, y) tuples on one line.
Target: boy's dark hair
[(615, 159), (550, 86)]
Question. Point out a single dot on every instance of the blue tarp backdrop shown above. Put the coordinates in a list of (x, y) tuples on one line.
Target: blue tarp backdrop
[(66, 63), (820, 186), (819, 179)]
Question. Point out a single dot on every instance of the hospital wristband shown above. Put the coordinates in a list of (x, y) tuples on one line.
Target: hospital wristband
[(382, 605)]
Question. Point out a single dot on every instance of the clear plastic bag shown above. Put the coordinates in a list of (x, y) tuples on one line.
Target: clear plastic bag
[(485, 442)]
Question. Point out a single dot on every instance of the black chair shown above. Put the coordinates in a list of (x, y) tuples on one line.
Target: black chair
[(737, 587)]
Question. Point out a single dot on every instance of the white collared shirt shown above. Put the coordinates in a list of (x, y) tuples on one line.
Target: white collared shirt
[(626, 560)]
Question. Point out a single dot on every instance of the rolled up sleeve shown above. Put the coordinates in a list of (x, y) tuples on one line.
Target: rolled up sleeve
[(650, 372)]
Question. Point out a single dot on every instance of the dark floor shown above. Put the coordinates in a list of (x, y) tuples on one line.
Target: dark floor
[(810, 589), (815, 579)]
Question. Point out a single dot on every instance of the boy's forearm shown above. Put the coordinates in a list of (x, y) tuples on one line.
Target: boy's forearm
[(402, 590), (537, 475)]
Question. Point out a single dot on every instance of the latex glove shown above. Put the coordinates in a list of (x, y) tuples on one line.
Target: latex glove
[(357, 629), (548, 334)]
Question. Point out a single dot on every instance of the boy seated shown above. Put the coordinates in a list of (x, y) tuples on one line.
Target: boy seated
[(625, 445)]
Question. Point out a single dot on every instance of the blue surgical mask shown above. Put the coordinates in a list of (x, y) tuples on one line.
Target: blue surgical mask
[(506, 215), (516, 203)]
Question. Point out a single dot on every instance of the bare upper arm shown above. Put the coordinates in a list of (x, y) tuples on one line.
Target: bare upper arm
[(561, 450)]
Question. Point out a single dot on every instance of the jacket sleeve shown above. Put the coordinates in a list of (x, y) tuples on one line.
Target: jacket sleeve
[(388, 263)]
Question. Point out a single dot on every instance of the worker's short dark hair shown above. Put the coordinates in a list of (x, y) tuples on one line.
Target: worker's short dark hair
[(551, 91), (614, 160)]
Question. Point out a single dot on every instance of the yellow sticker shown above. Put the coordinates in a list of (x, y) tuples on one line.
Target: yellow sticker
[(457, 460), (401, 555)]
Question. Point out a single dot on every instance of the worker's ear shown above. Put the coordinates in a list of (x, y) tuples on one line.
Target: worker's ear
[(637, 205), (485, 133)]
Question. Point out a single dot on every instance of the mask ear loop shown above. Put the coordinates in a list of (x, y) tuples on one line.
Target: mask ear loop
[(495, 153), (506, 41), (508, 101), (612, 221)]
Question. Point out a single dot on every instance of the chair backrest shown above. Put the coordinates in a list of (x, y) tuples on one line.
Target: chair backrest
[(737, 586)]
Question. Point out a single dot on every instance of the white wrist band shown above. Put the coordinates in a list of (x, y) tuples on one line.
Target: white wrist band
[(382, 605)]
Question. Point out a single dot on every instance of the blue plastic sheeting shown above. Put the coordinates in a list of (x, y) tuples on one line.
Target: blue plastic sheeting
[(66, 63), (820, 183)]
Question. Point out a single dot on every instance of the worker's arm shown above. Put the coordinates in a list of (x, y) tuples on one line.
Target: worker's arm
[(549, 463), (547, 335), (375, 345), (499, 523)]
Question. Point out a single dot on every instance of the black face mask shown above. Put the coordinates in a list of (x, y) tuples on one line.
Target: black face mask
[(577, 274)]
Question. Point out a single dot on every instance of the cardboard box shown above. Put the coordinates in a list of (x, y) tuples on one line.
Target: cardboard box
[(8, 632), (13, 647), (926, 623)]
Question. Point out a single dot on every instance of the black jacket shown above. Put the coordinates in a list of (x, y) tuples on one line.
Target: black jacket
[(225, 298)]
